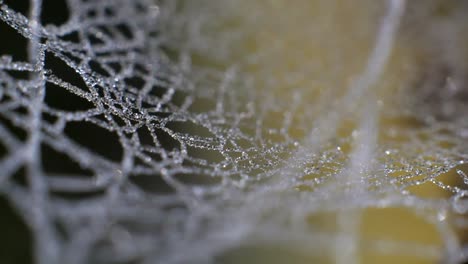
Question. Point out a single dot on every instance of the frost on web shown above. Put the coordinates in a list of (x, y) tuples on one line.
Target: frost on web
[(132, 132)]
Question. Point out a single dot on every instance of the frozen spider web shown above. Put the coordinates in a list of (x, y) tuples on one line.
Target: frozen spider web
[(127, 137)]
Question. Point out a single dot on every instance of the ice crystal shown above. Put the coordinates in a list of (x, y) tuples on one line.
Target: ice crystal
[(132, 131)]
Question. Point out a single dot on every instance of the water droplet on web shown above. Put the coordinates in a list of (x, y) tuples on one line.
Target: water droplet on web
[(146, 99), (463, 175), (442, 216), (460, 202)]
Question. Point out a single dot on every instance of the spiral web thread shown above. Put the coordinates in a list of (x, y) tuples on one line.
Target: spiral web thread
[(123, 139)]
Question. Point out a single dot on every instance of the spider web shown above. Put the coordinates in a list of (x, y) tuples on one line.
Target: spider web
[(126, 139)]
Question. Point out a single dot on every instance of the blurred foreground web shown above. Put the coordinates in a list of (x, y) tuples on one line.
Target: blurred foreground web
[(123, 140)]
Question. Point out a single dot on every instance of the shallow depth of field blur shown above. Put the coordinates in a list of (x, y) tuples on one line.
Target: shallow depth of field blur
[(234, 131)]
